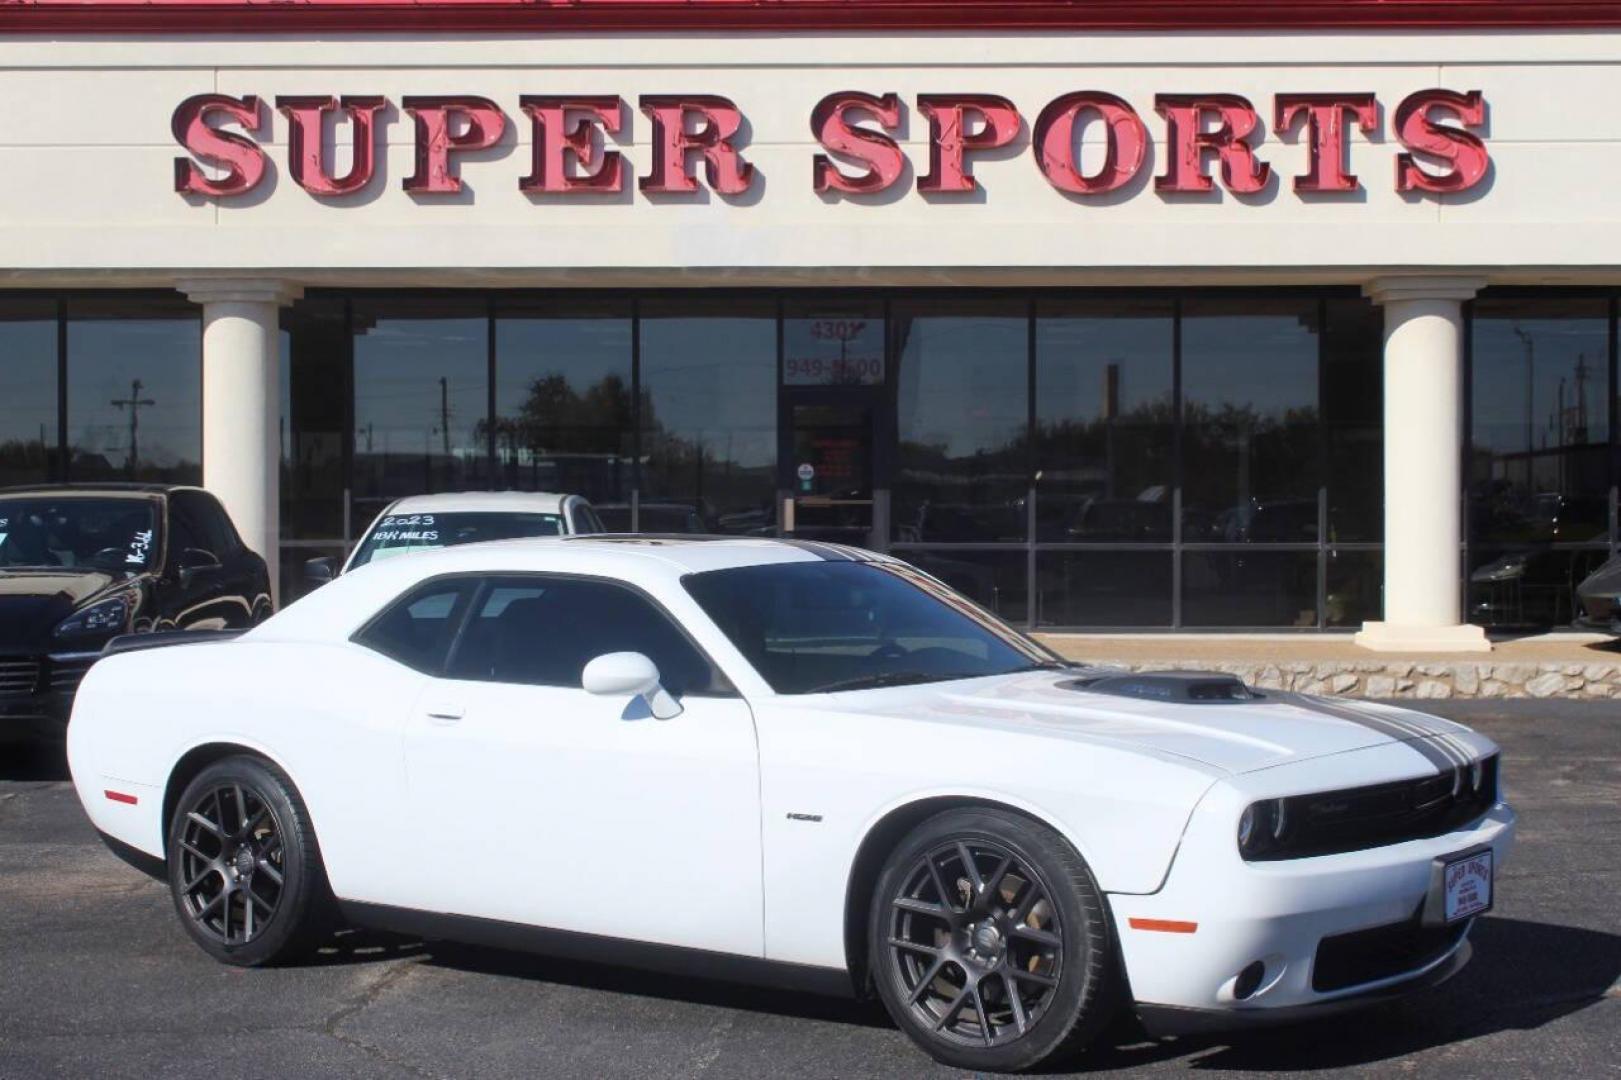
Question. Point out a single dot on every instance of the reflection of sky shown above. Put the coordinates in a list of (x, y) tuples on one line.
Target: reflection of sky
[(962, 382), (1268, 362), (28, 381), (1556, 347), (1073, 356), (105, 356), (715, 380), (584, 351), (398, 365)]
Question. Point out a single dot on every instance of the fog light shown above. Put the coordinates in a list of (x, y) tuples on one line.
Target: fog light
[(1249, 980)]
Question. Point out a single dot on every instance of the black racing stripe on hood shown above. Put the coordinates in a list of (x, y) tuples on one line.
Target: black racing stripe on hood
[(1419, 740)]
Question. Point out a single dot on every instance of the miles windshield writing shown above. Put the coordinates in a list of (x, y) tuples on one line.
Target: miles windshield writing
[(398, 534), (825, 626)]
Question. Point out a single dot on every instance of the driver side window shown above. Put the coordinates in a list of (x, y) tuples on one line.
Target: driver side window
[(542, 631)]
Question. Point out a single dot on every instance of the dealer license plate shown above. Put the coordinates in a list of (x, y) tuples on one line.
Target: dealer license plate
[(1466, 886)]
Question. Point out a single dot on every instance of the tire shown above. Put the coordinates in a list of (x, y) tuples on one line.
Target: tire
[(249, 887), (1010, 971)]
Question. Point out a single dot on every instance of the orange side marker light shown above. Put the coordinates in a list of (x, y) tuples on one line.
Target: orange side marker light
[(1164, 926)]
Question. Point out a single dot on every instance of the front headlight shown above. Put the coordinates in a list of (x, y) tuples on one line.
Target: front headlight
[(102, 619), (1261, 825)]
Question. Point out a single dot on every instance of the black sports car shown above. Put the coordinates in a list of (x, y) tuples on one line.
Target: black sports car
[(81, 564), (1599, 599)]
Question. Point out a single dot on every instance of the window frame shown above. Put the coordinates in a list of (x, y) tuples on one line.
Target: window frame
[(722, 685)]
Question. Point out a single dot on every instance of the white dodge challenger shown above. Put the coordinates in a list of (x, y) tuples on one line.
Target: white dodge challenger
[(792, 763)]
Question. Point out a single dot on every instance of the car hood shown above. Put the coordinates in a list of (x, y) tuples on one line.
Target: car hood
[(32, 602), (1233, 737)]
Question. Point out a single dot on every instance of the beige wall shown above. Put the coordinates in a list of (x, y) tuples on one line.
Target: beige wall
[(86, 189)]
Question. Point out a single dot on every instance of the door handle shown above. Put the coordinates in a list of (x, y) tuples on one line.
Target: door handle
[(446, 712)]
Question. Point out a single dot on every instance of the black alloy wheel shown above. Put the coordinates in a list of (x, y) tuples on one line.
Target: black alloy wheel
[(231, 859), (990, 944), (243, 867)]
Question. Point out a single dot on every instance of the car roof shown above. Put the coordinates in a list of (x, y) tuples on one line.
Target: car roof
[(335, 611), (533, 502), (106, 487)]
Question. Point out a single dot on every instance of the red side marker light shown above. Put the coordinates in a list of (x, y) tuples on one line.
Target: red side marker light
[(119, 796), (1164, 926)]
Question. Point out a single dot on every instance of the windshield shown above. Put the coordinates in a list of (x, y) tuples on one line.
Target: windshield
[(89, 533), (818, 627), (399, 534)]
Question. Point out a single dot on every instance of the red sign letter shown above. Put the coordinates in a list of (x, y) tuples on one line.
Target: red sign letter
[(1325, 126), (1053, 140), (485, 123), (882, 156), (950, 142), (600, 169), (1463, 150), (238, 155), (306, 163), (1186, 142), (719, 121)]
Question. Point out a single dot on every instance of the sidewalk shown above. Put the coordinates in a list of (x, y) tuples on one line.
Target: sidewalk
[(1547, 665)]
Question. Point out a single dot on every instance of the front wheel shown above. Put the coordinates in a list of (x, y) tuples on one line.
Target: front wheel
[(989, 942), (244, 869)]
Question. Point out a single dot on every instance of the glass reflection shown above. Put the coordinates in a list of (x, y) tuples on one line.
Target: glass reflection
[(1249, 408), (1246, 588), (1353, 417), (1103, 588), (314, 362), (421, 400), (995, 580), (564, 407), (27, 390), (135, 390), (1105, 415), (962, 462), (709, 413)]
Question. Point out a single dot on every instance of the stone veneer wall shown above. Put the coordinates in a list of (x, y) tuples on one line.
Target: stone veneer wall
[(1408, 679)]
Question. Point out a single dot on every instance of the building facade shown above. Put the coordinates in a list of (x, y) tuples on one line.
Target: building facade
[(1127, 315)]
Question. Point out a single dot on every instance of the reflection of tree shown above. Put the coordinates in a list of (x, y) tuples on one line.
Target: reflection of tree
[(555, 418)]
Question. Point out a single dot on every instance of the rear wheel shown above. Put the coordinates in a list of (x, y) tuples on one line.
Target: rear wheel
[(244, 869), (989, 942)]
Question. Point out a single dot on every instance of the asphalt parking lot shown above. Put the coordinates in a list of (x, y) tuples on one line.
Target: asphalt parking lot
[(97, 979)]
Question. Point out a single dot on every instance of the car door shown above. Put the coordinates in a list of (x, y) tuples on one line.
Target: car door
[(197, 592), (245, 578), (539, 803)]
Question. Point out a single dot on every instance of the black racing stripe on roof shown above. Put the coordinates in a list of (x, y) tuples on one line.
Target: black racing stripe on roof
[(825, 552)]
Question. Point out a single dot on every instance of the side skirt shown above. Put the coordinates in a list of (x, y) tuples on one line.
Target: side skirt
[(596, 949), (150, 865)]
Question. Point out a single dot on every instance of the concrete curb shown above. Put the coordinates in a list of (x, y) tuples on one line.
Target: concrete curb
[(1429, 679)]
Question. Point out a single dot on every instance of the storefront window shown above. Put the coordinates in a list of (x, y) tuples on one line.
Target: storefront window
[(1353, 419), (1250, 421), (421, 371), (1105, 415), (134, 391), (963, 468), (1103, 588), (709, 413), (564, 403), (28, 425), (1539, 456)]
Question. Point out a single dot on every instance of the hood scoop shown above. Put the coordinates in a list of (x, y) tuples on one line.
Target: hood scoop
[(1175, 687)]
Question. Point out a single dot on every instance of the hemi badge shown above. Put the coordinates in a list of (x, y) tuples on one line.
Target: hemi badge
[(1164, 926), (119, 796), (805, 817)]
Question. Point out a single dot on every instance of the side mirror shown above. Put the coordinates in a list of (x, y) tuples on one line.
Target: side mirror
[(621, 673), (192, 560), (318, 572)]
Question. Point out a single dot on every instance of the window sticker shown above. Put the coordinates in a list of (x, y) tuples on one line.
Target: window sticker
[(140, 546)]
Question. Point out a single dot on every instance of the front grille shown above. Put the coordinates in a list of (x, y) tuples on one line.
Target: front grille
[(18, 676), (1333, 822), (1383, 952), (65, 675)]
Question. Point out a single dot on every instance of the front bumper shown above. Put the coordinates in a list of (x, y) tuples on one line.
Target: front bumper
[(1279, 914)]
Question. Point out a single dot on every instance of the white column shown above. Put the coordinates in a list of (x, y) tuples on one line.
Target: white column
[(242, 403), (1423, 396)]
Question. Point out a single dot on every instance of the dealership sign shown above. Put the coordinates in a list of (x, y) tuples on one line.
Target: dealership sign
[(695, 140)]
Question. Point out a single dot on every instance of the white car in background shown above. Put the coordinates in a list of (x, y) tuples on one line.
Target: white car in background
[(429, 522), (795, 763)]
